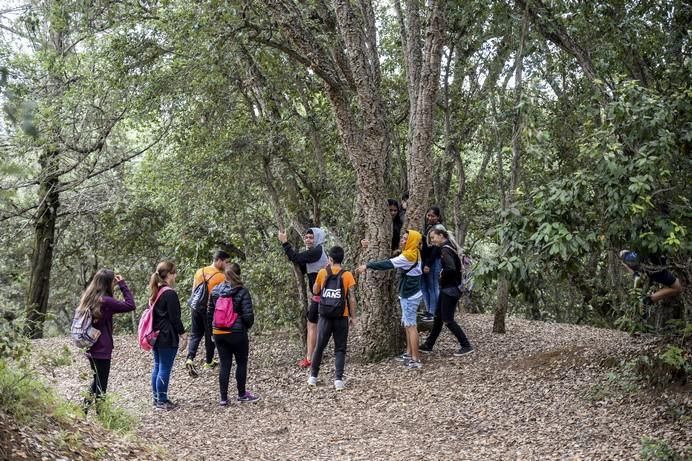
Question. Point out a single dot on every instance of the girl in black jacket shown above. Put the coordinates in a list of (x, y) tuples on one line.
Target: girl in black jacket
[(233, 341), (450, 279), (171, 331)]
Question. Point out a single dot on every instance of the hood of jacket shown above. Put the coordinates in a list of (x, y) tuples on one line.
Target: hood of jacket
[(320, 237), (225, 289)]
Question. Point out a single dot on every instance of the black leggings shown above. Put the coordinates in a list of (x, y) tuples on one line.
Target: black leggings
[(101, 369), (232, 345), (99, 384), (445, 314)]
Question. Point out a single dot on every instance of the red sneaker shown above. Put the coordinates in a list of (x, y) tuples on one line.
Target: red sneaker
[(305, 363)]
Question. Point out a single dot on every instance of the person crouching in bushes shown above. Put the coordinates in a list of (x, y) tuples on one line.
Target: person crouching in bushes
[(231, 316), (98, 298), (410, 295)]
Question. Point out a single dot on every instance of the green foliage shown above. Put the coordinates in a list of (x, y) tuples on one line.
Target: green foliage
[(50, 360), (112, 416), (605, 162), (658, 450), (661, 368), (13, 345), (618, 383)]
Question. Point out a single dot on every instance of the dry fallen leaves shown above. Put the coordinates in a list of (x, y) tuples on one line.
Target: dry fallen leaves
[(520, 396)]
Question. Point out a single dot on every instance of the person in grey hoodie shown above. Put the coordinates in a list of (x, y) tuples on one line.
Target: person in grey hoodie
[(233, 341), (310, 261)]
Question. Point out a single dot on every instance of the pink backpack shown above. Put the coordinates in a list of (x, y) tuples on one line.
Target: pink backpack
[(224, 313), (145, 332)]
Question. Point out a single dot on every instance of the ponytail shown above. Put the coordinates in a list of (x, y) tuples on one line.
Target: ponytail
[(158, 278)]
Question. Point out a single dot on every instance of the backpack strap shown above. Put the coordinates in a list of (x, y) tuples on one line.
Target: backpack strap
[(415, 263), (340, 278), (158, 295)]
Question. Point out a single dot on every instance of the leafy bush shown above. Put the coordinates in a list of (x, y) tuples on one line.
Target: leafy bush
[(664, 367), (657, 450), (23, 396)]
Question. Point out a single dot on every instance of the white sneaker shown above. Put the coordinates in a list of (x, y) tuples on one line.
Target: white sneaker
[(312, 381), (339, 385), (414, 364)]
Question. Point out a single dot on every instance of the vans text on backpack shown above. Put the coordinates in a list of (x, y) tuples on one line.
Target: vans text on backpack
[(146, 334), (333, 295)]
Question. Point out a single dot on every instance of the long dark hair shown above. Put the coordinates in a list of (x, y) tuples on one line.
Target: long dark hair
[(101, 285), (158, 278), (232, 274), (397, 218), (435, 209)]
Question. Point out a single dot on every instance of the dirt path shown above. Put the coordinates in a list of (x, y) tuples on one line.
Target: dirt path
[(524, 395)]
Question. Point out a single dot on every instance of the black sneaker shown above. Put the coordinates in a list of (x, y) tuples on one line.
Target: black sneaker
[(167, 405), (464, 351), (428, 317), (191, 368), (425, 348)]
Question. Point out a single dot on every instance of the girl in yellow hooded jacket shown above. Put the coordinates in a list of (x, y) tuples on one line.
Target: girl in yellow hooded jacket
[(410, 295)]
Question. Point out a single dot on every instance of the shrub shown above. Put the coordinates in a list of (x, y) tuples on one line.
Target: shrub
[(657, 450)]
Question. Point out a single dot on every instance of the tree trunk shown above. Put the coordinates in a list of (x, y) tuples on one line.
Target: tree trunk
[(423, 72), (507, 196), (44, 243), (298, 278), (349, 67), (367, 151), (501, 306)]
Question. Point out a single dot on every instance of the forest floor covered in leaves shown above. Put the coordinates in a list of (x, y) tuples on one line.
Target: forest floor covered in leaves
[(541, 391)]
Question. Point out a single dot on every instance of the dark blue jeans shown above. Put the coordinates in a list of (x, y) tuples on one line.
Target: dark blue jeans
[(430, 286), (161, 374)]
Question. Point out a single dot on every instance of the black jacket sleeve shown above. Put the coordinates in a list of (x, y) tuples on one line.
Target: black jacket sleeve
[(309, 256), (432, 254), (173, 307), (246, 312), (450, 275)]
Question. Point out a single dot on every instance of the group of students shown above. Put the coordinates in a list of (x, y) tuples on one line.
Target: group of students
[(224, 279), (430, 271)]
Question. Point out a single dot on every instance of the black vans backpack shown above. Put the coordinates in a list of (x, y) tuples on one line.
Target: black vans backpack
[(333, 295), (200, 295)]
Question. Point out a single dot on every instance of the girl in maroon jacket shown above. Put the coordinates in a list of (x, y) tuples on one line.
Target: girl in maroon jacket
[(98, 298)]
